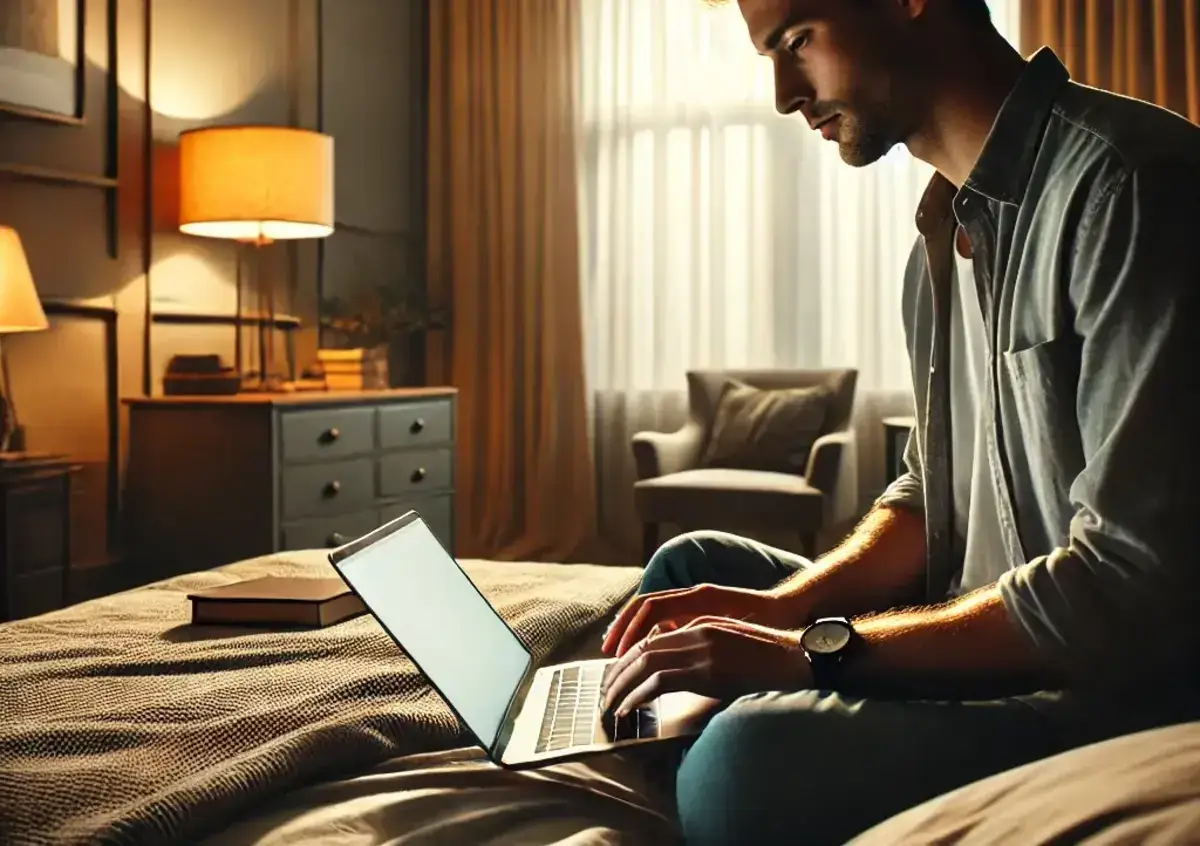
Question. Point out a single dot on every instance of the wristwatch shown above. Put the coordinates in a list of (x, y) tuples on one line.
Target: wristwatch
[(826, 643)]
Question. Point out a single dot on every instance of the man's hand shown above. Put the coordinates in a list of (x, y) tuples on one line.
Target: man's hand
[(673, 609), (711, 656)]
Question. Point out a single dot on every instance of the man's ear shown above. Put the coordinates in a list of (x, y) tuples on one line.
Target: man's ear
[(912, 9)]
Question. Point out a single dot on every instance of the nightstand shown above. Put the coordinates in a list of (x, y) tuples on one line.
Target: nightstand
[(212, 480), (895, 432), (35, 534)]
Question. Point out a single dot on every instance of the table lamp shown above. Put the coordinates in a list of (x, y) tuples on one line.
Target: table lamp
[(20, 311), (256, 185)]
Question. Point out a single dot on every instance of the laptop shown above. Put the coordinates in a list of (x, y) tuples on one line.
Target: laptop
[(523, 716)]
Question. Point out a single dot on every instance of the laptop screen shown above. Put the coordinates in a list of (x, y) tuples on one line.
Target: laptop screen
[(427, 604)]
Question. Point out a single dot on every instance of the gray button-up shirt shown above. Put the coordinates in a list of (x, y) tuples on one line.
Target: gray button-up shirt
[(1083, 211)]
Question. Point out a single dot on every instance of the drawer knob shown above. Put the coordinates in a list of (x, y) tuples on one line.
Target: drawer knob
[(333, 488), (331, 435), (418, 474), (335, 539), (417, 426)]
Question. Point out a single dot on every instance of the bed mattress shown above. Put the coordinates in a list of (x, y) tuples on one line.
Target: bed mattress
[(125, 724), (459, 798)]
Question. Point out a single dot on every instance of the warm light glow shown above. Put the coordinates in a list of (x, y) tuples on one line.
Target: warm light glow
[(255, 183), (188, 88), (20, 308), (194, 278)]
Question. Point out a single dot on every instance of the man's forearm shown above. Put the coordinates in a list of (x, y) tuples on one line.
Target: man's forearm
[(965, 649), (880, 565)]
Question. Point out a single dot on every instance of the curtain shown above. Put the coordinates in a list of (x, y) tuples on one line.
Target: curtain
[(717, 234), (1149, 49), (503, 256)]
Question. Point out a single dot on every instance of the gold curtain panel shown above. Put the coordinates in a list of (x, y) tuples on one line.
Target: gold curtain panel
[(1149, 49), (504, 256)]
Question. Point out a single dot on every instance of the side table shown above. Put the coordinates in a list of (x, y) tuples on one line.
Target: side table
[(35, 534), (895, 433)]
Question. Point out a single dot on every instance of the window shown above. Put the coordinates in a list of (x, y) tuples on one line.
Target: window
[(716, 233)]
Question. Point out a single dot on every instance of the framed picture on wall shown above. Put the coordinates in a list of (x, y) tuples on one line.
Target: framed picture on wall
[(42, 59)]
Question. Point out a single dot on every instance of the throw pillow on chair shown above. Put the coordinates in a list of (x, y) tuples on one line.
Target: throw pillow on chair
[(765, 429)]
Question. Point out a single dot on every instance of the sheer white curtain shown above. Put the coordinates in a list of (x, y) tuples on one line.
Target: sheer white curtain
[(718, 234)]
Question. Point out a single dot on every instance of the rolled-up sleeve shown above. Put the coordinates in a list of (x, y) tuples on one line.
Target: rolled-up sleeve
[(908, 490), (1120, 599)]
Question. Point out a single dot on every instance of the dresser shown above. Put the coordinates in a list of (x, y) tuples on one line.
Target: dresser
[(35, 534), (211, 480)]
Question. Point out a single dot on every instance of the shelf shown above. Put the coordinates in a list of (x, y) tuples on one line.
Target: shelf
[(286, 322)]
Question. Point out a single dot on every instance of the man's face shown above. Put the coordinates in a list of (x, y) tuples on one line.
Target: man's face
[(841, 64)]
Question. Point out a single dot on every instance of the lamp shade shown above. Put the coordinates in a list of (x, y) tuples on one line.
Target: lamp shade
[(255, 183), (20, 308)]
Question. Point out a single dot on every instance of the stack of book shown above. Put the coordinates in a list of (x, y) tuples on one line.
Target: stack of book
[(200, 374), (354, 370)]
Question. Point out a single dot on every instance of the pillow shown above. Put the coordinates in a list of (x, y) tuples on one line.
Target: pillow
[(757, 429), (1139, 788)]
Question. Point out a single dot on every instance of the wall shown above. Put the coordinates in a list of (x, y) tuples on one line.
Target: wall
[(74, 192), (375, 70), (94, 204)]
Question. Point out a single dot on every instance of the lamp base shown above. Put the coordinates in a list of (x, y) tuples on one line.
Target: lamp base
[(12, 434), (14, 440), (272, 383)]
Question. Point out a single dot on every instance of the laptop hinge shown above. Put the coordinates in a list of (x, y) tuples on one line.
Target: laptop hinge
[(508, 723)]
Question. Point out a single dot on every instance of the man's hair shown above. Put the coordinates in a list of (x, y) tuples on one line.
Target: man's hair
[(977, 11)]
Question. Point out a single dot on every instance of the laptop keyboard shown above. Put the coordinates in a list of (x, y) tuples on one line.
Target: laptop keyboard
[(573, 706)]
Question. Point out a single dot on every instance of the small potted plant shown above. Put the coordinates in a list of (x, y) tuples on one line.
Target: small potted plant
[(391, 318)]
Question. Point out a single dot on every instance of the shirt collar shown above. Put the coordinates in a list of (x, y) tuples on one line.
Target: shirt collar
[(1004, 166)]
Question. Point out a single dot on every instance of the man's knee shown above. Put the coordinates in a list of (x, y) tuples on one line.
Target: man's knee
[(759, 773), (675, 564)]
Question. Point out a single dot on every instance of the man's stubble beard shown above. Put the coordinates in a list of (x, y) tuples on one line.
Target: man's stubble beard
[(860, 145)]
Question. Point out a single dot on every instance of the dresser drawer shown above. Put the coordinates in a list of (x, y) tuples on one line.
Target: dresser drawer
[(436, 512), (338, 486), (412, 472), (414, 424), (328, 532), (326, 433)]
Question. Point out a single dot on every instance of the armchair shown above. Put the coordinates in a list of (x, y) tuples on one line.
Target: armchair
[(673, 488)]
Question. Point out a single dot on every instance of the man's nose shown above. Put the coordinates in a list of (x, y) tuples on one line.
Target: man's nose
[(792, 89)]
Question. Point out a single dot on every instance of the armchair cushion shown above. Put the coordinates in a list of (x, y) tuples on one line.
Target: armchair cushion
[(766, 429), (720, 496)]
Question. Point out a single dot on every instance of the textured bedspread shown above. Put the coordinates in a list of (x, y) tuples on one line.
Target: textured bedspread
[(121, 723)]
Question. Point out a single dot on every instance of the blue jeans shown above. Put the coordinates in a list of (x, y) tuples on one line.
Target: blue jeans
[(817, 767)]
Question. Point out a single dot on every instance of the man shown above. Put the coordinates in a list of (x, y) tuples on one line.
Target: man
[(1044, 534)]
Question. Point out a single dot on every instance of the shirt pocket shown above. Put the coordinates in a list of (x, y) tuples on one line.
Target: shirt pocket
[(1041, 430)]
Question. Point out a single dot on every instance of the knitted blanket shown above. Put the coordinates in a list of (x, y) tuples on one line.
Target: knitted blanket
[(122, 723)]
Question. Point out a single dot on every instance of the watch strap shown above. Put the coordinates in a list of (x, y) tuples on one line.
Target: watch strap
[(825, 670)]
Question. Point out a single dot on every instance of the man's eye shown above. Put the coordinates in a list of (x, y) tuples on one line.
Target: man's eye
[(797, 42)]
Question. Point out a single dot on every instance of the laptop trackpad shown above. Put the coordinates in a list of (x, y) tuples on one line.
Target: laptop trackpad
[(639, 724), (671, 715)]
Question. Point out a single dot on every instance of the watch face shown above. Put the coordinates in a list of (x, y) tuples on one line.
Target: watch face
[(827, 637)]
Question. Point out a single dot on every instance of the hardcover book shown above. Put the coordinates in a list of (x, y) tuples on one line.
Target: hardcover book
[(277, 600)]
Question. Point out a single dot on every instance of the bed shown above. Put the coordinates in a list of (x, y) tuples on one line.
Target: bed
[(122, 723)]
